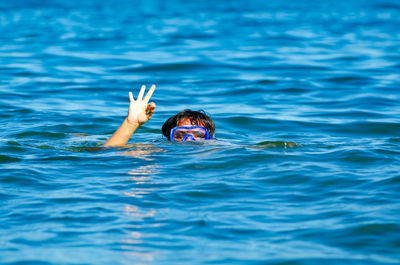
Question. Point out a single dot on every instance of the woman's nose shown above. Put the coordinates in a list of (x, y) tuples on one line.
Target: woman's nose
[(188, 137)]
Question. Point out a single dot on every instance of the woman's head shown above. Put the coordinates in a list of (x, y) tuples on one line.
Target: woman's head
[(189, 117)]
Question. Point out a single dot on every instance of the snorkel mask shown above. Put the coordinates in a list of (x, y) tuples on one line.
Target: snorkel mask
[(189, 133)]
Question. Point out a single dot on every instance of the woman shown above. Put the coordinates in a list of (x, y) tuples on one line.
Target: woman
[(187, 125)]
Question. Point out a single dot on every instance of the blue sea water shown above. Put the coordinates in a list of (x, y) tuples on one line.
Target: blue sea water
[(305, 96)]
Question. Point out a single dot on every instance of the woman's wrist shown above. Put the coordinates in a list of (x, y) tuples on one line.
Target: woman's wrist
[(132, 124)]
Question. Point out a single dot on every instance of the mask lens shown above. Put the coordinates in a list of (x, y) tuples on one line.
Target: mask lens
[(179, 135), (198, 133)]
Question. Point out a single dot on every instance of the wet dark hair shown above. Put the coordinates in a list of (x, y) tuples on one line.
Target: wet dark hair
[(199, 118)]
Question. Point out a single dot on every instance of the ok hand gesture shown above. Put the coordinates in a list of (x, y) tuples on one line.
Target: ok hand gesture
[(140, 110)]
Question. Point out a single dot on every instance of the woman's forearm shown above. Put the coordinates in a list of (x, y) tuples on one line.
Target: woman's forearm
[(138, 114), (122, 134)]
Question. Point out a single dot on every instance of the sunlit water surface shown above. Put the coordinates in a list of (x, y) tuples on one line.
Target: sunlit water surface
[(270, 73)]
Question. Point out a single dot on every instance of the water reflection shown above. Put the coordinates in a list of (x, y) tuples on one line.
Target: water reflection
[(142, 151), (140, 176), (142, 180), (137, 213)]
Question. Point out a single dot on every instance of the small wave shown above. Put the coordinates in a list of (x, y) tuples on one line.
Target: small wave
[(166, 67), (279, 144), (348, 79), (41, 135), (8, 159)]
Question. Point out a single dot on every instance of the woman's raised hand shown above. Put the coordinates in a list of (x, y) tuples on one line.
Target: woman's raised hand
[(140, 110)]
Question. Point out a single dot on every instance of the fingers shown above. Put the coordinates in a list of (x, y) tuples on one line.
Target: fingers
[(150, 106), (150, 109), (149, 93), (141, 93)]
